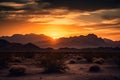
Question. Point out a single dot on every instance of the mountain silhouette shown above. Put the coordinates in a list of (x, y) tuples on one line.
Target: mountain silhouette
[(7, 46), (90, 40), (111, 43), (3, 43), (27, 38), (31, 47), (43, 41)]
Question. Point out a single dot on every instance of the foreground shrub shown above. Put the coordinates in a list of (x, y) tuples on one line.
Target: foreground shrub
[(79, 58), (95, 68), (99, 60), (17, 59), (17, 70), (53, 63), (72, 62)]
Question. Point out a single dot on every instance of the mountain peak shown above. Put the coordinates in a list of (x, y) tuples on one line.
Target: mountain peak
[(31, 46), (92, 35), (3, 41)]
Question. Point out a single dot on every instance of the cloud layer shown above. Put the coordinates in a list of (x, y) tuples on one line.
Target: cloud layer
[(85, 5), (87, 14)]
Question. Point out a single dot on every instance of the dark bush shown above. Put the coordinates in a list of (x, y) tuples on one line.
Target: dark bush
[(17, 59), (72, 62), (99, 60), (53, 63), (79, 58), (94, 68), (17, 70)]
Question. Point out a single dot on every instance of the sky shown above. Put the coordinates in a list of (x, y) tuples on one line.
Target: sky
[(61, 18)]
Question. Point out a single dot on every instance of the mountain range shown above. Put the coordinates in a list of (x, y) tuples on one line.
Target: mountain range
[(6, 46), (43, 41)]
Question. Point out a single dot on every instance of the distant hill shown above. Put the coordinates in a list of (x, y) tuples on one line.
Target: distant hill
[(3, 43), (7, 46), (19, 38), (88, 41)]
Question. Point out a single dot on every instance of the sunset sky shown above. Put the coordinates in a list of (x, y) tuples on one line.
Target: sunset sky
[(60, 18)]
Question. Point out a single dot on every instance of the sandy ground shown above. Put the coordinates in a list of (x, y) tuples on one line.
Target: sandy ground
[(75, 72)]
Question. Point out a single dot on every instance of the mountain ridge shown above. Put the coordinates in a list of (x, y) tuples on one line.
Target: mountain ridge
[(41, 40)]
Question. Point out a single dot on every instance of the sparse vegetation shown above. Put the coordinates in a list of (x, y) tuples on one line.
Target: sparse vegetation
[(49, 62), (95, 68), (17, 59), (79, 58), (17, 70), (72, 62), (99, 60), (53, 63)]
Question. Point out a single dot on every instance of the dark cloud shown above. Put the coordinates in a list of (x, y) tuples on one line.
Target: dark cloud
[(17, 1), (84, 5), (113, 14), (19, 11), (110, 17), (116, 25), (8, 8)]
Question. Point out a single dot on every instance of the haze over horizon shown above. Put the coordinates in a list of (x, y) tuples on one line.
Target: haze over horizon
[(61, 18)]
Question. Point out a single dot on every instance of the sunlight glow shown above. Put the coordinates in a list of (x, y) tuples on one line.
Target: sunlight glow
[(55, 32), (54, 35)]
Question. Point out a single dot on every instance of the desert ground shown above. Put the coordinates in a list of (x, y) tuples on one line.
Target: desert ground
[(78, 68)]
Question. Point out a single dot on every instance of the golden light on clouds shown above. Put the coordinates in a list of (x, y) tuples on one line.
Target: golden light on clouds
[(55, 35), (59, 22), (114, 21), (55, 31), (11, 4)]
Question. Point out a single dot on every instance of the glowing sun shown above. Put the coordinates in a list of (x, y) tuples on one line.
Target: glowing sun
[(55, 35), (55, 32)]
